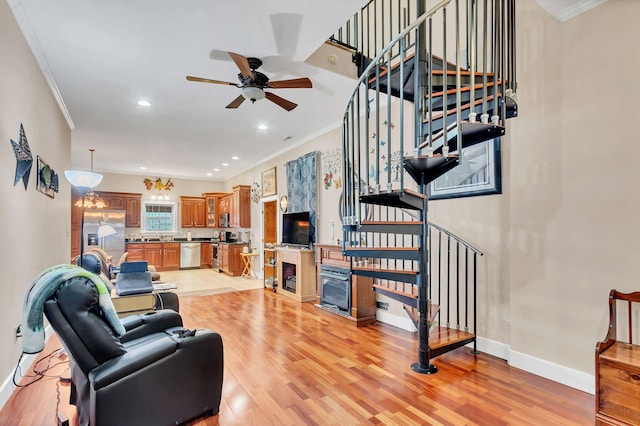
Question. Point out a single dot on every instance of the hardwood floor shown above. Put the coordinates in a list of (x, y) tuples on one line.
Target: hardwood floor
[(290, 364)]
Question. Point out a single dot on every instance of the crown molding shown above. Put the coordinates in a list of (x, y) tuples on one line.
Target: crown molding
[(565, 10), (32, 40)]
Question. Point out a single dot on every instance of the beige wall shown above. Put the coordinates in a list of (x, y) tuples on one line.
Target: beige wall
[(35, 228), (564, 232)]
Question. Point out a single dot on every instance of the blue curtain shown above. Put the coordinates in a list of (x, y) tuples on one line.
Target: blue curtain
[(301, 188)]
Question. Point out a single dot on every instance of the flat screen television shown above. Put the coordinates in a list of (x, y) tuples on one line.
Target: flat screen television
[(295, 228)]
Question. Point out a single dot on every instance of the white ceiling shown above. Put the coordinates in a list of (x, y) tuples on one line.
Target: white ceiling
[(103, 56)]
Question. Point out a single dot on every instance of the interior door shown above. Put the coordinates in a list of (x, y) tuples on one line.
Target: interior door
[(270, 222)]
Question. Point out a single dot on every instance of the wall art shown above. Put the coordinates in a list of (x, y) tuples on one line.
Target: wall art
[(269, 184), (478, 173), (47, 180), (24, 159)]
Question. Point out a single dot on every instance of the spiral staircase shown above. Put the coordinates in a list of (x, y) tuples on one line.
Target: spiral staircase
[(432, 83)]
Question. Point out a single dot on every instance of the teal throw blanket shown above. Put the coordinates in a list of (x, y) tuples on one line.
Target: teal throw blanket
[(43, 288)]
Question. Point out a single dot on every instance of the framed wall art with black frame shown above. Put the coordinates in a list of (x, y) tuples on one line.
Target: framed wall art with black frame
[(478, 174), (47, 179)]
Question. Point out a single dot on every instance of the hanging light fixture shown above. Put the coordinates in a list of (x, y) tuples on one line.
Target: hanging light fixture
[(84, 181), (82, 178)]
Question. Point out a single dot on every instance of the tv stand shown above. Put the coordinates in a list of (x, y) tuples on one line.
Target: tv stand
[(296, 271)]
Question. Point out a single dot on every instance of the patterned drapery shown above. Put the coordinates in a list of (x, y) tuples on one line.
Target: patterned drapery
[(302, 188)]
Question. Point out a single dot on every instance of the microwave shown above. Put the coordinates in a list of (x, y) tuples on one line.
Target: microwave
[(224, 220)]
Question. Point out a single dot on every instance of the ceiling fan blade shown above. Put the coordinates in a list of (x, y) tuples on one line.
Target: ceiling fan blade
[(207, 80), (236, 102), (296, 83), (288, 105), (243, 64)]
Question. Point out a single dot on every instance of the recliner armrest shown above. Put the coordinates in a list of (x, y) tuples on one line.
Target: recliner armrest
[(130, 362), (154, 322)]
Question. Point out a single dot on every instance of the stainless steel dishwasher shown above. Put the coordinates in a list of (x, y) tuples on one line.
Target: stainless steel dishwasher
[(189, 255)]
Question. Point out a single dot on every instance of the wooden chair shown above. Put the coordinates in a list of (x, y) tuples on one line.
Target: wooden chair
[(618, 364)]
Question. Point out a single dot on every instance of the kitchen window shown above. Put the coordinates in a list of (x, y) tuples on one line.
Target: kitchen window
[(159, 217)]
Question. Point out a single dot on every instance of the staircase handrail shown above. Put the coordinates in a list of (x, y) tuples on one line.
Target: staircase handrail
[(419, 20), (456, 238)]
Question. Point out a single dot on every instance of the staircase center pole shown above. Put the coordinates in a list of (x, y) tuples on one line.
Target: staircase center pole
[(422, 366)]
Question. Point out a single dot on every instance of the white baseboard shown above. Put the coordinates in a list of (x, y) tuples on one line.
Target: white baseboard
[(404, 323), (8, 387), (540, 367)]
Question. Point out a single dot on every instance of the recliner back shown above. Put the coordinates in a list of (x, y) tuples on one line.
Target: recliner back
[(75, 316)]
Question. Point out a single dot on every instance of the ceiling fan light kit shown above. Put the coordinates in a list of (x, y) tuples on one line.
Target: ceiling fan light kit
[(253, 83), (252, 93)]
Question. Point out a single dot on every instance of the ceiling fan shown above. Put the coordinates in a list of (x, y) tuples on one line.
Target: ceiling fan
[(253, 83)]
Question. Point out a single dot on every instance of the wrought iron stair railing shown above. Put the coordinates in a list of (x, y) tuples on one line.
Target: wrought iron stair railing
[(444, 82)]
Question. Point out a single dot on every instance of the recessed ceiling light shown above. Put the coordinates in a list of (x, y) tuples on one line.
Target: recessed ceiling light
[(143, 168), (235, 157), (209, 174), (263, 127), (144, 103), (225, 164), (216, 170)]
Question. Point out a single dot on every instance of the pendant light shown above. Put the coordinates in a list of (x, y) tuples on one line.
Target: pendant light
[(84, 181)]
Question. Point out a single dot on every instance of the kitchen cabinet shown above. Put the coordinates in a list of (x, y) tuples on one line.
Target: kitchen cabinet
[(229, 259), (130, 202), (135, 252), (170, 256), (240, 214), (132, 215), (205, 255), (212, 208), (225, 203), (192, 212), (163, 256)]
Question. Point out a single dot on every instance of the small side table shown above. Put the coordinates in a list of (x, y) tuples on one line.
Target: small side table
[(247, 258)]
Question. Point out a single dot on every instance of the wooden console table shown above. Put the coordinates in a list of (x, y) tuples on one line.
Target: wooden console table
[(303, 269), (363, 298)]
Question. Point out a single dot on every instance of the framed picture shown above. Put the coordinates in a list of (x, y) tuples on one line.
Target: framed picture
[(47, 179), (269, 186), (479, 173)]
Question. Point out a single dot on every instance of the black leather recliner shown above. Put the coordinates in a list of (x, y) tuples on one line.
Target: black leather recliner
[(155, 374)]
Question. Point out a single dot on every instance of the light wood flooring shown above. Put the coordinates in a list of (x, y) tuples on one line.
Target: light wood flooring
[(290, 364)]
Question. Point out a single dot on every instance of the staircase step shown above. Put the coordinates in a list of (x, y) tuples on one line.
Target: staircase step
[(375, 271), (401, 296), (439, 80), (424, 169), (406, 199), (414, 314), (472, 133), (445, 339), (465, 96), (403, 253), (389, 227), (437, 121)]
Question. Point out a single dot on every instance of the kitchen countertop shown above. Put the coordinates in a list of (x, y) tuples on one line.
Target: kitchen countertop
[(176, 240)]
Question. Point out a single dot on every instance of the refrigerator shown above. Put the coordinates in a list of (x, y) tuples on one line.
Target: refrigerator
[(105, 229)]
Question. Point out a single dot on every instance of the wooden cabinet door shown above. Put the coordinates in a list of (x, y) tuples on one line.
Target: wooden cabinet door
[(132, 218), (171, 256), (115, 202), (199, 214), (225, 204), (244, 208), (224, 257), (186, 212), (153, 255), (205, 255), (75, 241), (136, 252), (211, 207)]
